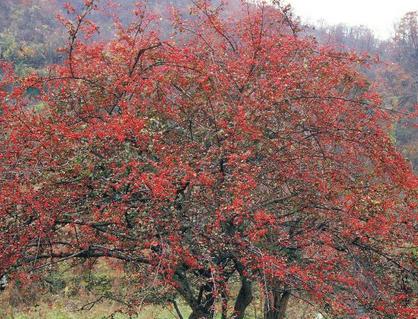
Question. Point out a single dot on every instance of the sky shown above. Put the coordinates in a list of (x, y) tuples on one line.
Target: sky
[(378, 15)]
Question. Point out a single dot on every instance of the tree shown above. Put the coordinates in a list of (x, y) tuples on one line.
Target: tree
[(358, 38), (233, 147), (403, 50), (28, 34), (406, 40)]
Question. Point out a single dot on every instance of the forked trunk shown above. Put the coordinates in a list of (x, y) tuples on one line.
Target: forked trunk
[(276, 302)]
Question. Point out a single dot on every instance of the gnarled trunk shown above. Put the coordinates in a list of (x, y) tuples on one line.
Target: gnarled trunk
[(244, 298), (245, 295), (276, 302), (205, 303)]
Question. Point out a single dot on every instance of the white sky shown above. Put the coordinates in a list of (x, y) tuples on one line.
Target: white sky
[(378, 15)]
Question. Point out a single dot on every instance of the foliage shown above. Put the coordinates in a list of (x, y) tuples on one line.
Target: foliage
[(230, 148), (30, 37), (396, 75), (405, 52)]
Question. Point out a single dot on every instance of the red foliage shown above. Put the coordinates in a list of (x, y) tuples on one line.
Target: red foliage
[(229, 145)]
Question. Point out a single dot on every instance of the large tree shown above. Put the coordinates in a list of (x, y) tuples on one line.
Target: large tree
[(231, 147)]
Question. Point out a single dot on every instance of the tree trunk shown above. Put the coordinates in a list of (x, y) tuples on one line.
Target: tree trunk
[(245, 295), (203, 305), (244, 298), (276, 303), (201, 314)]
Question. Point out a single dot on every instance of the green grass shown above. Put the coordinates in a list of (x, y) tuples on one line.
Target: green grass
[(99, 312), (70, 291), (59, 310)]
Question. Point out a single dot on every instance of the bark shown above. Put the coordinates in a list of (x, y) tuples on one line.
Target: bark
[(201, 314), (244, 298), (245, 295), (276, 303), (202, 306)]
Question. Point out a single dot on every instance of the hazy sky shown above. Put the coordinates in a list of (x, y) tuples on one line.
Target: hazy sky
[(378, 15)]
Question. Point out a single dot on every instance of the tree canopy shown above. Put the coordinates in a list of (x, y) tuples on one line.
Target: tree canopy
[(231, 146)]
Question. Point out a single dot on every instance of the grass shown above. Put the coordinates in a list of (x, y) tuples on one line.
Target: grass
[(60, 307), (59, 310), (65, 309), (72, 292)]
